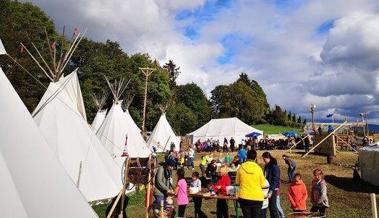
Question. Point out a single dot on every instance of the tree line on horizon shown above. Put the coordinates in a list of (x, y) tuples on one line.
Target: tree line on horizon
[(188, 106)]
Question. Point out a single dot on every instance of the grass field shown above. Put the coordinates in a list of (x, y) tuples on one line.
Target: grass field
[(272, 129), (347, 198)]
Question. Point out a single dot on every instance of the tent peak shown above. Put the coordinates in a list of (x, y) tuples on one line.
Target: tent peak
[(100, 99), (54, 68), (117, 88)]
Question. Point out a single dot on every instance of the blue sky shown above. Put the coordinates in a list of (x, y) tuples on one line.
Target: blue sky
[(300, 51)]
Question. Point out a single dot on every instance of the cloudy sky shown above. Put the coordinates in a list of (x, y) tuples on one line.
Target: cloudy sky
[(301, 51)]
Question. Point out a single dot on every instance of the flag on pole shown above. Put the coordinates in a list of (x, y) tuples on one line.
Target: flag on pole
[(75, 32), (331, 113), (2, 49)]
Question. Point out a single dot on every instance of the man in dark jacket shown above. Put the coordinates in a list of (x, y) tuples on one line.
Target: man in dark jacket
[(163, 183), (232, 144), (291, 167)]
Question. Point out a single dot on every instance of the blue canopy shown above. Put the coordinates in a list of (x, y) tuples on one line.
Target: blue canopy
[(290, 134), (253, 135)]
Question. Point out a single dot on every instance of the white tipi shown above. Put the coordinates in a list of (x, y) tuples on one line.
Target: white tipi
[(163, 135), (100, 115), (33, 183), (75, 144), (60, 116), (119, 125)]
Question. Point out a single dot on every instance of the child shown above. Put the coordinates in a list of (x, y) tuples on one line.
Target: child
[(220, 188), (319, 193), (181, 193), (228, 159), (297, 194), (196, 182)]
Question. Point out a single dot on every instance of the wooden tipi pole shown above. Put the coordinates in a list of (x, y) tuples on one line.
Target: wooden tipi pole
[(147, 72)]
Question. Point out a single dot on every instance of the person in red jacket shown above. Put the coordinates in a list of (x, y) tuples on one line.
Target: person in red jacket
[(220, 189), (297, 194)]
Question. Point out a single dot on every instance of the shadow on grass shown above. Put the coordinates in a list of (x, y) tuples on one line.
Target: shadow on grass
[(350, 185)]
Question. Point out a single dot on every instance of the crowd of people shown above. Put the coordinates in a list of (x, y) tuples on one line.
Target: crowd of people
[(258, 189), (264, 143)]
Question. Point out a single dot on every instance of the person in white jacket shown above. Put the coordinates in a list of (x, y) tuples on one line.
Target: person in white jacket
[(265, 190)]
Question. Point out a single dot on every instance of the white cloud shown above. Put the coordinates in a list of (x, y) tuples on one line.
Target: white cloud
[(295, 65)]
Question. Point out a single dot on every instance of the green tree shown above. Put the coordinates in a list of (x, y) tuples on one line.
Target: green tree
[(243, 99), (173, 72), (299, 121), (182, 119), (25, 23), (194, 98)]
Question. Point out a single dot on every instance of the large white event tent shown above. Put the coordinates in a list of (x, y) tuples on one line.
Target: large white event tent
[(61, 122), (218, 129), (33, 182), (163, 136), (369, 162), (116, 127)]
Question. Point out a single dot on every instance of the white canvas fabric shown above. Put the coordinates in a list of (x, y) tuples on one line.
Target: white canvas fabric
[(112, 133), (71, 86), (2, 49), (33, 183), (163, 135), (98, 120), (218, 129), (75, 144), (369, 162)]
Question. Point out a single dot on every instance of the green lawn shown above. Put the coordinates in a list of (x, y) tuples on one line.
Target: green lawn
[(272, 129), (348, 198)]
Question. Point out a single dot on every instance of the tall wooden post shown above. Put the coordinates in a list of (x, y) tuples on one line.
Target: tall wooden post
[(147, 72)]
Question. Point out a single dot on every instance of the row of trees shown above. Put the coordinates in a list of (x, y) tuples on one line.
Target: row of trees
[(188, 108), (26, 23), (277, 116)]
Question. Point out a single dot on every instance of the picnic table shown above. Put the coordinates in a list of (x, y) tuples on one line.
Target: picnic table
[(206, 196)]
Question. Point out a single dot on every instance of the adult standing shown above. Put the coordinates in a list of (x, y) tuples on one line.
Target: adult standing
[(272, 174), (163, 184), (291, 167), (203, 164), (232, 144), (242, 154), (191, 157), (251, 180)]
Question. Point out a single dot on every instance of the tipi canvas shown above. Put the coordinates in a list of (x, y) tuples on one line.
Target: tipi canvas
[(113, 132), (98, 120), (100, 115), (163, 136), (61, 122), (33, 183)]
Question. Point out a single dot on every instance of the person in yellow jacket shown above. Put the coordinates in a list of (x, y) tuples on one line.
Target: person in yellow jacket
[(251, 180)]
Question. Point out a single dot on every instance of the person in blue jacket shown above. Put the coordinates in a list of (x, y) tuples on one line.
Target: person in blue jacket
[(242, 154), (272, 174)]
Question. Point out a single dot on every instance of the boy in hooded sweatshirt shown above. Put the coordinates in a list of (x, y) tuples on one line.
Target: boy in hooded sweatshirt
[(297, 194), (251, 181)]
